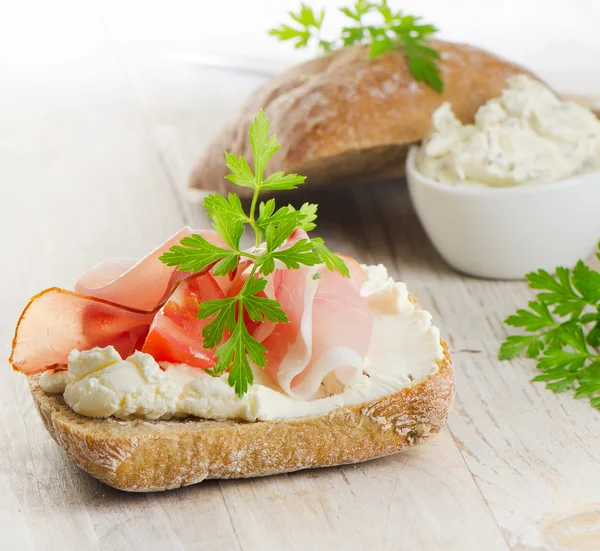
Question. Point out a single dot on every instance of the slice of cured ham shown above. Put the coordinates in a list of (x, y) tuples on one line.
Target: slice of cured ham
[(143, 284), (114, 303), (341, 331), (57, 321), (329, 330), (289, 345)]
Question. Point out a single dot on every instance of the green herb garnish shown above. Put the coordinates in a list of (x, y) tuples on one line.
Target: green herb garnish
[(271, 226), (564, 322), (394, 31)]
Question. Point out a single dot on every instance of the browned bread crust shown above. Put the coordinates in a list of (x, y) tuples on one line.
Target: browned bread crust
[(346, 116), (145, 456)]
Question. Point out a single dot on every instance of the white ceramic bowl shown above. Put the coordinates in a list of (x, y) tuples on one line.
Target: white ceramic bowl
[(504, 233)]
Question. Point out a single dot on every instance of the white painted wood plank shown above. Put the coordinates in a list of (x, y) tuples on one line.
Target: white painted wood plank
[(421, 499)]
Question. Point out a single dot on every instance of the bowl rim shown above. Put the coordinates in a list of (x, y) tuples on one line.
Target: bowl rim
[(412, 173)]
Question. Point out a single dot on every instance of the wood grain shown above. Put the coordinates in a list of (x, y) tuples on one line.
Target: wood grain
[(94, 161)]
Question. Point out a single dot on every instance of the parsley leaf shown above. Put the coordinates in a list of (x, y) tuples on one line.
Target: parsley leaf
[(361, 7), (285, 32), (307, 19), (331, 260), (281, 181), (381, 44), (304, 217), (261, 308), (422, 64), (225, 207), (258, 307), (353, 35), (236, 350), (557, 291), (515, 345), (538, 318), (223, 321), (228, 217), (564, 327), (396, 31), (276, 234), (195, 253), (302, 252), (308, 213), (233, 355), (263, 146), (241, 175)]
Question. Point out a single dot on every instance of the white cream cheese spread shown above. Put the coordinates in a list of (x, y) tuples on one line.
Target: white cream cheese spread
[(405, 348), (527, 135)]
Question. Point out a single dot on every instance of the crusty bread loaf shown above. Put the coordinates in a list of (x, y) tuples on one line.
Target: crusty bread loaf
[(344, 116), (144, 456)]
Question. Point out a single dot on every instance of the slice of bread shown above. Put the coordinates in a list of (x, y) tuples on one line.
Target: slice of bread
[(145, 456), (344, 116)]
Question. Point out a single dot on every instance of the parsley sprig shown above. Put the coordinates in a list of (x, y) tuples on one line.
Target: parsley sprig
[(394, 31), (564, 327), (227, 329)]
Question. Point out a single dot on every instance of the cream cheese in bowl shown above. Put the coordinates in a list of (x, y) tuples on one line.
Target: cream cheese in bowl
[(527, 135), (516, 191)]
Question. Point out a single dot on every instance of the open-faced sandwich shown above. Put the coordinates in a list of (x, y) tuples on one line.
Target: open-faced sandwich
[(208, 360)]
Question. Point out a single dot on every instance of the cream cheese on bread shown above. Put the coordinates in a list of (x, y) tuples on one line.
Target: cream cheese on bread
[(405, 348), (526, 135)]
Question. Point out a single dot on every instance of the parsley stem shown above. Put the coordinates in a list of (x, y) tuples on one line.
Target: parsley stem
[(240, 311), (240, 296), (251, 217), (251, 274)]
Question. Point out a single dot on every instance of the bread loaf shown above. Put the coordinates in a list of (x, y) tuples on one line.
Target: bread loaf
[(345, 116)]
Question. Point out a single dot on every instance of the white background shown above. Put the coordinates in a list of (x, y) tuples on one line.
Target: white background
[(559, 39)]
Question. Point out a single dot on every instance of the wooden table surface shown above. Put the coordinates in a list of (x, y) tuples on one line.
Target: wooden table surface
[(93, 163)]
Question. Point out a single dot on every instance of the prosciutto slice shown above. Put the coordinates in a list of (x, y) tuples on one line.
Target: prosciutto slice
[(114, 303), (143, 284), (56, 321), (329, 330)]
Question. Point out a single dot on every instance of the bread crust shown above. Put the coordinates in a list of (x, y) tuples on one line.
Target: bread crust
[(147, 456), (346, 116)]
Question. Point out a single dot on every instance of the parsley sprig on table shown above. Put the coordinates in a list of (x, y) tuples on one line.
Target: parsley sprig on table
[(393, 31), (271, 228), (564, 327)]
